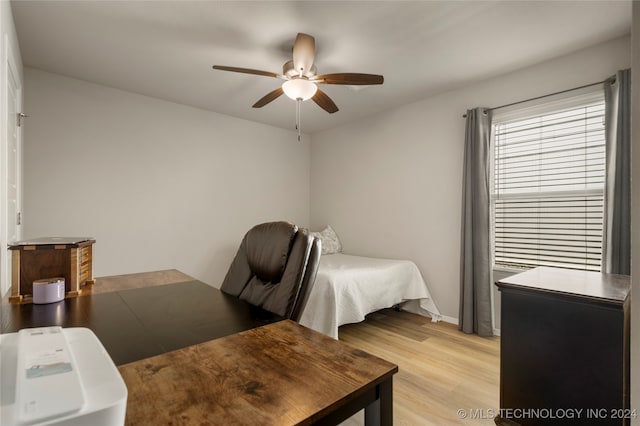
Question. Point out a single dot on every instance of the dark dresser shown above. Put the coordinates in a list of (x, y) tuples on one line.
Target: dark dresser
[(564, 354)]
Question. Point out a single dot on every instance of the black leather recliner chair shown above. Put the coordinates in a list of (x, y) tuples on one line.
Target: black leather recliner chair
[(275, 268)]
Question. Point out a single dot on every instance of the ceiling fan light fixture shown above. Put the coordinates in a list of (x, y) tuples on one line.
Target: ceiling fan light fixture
[(299, 88), (302, 77)]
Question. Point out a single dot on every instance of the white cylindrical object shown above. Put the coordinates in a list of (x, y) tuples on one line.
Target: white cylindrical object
[(48, 290)]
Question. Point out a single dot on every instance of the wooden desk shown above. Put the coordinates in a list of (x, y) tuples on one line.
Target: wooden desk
[(169, 342), (281, 373)]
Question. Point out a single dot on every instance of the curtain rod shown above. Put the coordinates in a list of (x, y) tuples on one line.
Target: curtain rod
[(613, 79)]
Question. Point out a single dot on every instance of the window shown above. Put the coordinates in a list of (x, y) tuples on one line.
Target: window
[(548, 185)]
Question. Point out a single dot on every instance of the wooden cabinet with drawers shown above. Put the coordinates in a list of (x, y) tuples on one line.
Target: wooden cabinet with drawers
[(40, 258)]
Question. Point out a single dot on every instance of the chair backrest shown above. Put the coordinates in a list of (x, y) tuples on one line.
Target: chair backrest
[(308, 280), (269, 268)]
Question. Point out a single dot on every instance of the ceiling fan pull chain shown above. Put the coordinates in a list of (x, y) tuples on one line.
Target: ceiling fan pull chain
[(298, 115)]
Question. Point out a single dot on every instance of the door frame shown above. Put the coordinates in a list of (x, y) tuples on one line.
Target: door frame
[(9, 65)]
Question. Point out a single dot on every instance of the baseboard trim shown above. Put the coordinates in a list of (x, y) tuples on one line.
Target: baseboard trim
[(450, 320), (454, 321)]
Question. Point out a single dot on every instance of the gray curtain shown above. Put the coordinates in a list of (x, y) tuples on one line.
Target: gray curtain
[(616, 238), (475, 268)]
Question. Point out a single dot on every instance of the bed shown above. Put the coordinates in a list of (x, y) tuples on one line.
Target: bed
[(349, 287)]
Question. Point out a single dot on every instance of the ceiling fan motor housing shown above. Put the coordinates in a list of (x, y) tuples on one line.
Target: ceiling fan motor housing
[(289, 71)]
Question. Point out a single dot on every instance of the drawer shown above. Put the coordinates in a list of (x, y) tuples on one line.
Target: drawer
[(84, 269), (84, 254)]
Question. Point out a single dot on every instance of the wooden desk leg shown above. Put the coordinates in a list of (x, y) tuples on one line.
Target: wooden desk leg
[(380, 411)]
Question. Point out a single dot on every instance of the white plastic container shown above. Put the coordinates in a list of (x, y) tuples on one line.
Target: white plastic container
[(48, 290), (53, 376)]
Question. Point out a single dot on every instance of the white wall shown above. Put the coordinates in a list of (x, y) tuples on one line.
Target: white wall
[(391, 184), (8, 46), (635, 213), (159, 185)]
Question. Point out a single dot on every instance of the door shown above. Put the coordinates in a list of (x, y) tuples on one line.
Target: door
[(12, 179)]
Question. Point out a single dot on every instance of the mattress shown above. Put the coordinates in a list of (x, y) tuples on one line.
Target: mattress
[(349, 287)]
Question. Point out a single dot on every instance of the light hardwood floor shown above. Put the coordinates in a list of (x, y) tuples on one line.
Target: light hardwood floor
[(441, 369)]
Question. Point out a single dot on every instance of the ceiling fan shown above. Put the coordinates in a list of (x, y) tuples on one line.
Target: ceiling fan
[(301, 78)]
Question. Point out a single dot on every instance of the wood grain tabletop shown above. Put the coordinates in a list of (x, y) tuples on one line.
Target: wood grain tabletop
[(278, 374)]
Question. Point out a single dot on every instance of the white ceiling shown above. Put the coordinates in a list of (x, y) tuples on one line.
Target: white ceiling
[(165, 49)]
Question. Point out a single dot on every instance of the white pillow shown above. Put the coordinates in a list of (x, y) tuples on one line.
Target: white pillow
[(330, 241)]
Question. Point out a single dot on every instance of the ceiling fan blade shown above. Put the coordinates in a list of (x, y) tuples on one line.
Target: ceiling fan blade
[(247, 71), (351, 79), (304, 52), (271, 96), (325, 102)]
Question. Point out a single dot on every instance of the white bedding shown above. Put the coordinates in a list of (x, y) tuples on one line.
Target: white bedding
[(349, 287)]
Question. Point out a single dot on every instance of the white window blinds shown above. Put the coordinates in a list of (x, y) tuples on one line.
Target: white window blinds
[(548, 184)]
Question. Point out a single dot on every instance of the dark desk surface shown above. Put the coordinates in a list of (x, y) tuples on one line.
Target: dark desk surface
[(133, 324), (190, 354)]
